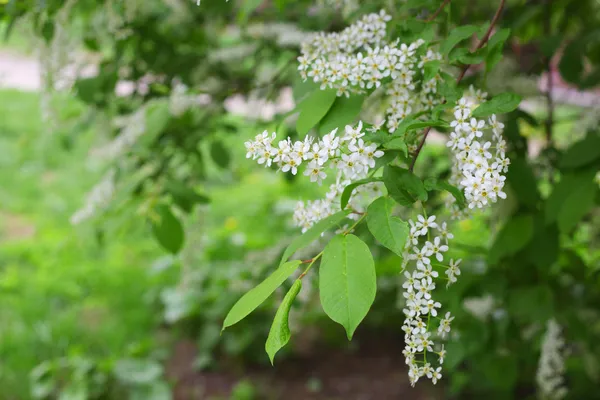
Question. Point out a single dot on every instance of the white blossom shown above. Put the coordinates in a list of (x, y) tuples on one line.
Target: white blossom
[(551, 366)]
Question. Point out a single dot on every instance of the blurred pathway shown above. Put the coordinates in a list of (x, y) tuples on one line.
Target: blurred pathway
[(19, 72)]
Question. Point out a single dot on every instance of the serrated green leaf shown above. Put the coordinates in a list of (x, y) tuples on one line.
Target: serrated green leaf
[(514, 236), (347, 193), (313, 233), (167, 229), (313, 109), (456, 36), (582, 153), (279, 334), (403, 186), (347, 281), (343, 112), (389, 230), (501, 104), (256, 296)]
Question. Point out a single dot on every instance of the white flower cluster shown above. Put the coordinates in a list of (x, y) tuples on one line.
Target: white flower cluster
[(97, 199), (479, 164), (421, 309), (359, 58), (334, 59), (348, 156), (551, 367)]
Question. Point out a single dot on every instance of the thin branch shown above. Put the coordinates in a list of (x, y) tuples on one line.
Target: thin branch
[(481, 43), (438, 11)]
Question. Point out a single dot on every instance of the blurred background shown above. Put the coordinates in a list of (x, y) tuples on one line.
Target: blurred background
[(115, 113)]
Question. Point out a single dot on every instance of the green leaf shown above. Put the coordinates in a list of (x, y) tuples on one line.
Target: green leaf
[(456, 36), (521, 179), (397, 144), (449, 90), (343, 112), (495, 46), (571, 65), (184, 196), (256, 296), (313, 109), (501, 104), (347, 193), (514, 236), (578, 204), (219, 154), (403, 186), (313, 234), (279, 335), (582, 153), (168, 230), (434, 184), (389, 230), (347, 281), (415, 124), (431, 69)]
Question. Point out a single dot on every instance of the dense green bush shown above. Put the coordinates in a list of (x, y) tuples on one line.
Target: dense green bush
[(524, 309)]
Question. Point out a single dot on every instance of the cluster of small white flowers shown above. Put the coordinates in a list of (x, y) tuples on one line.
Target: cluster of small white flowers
[(358, 59), (421, 309), (348, 156), (479, 164), (551, 367), (335, 60), (97, 199)]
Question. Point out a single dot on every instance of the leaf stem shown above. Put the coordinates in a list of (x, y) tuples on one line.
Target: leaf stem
[(311, 261), (481, 43), (355, 224)]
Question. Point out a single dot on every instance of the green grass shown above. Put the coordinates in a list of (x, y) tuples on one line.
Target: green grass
[(61, 292)]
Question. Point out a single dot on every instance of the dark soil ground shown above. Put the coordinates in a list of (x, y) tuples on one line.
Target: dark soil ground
[(374, 370)]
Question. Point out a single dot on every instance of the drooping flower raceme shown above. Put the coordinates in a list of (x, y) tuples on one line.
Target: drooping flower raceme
[(551, 366), (97, 199), (347, 157), (479, 151), (424, 265)]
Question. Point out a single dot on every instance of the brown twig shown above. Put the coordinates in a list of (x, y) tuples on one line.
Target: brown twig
[(460, 77), (438, 11)]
